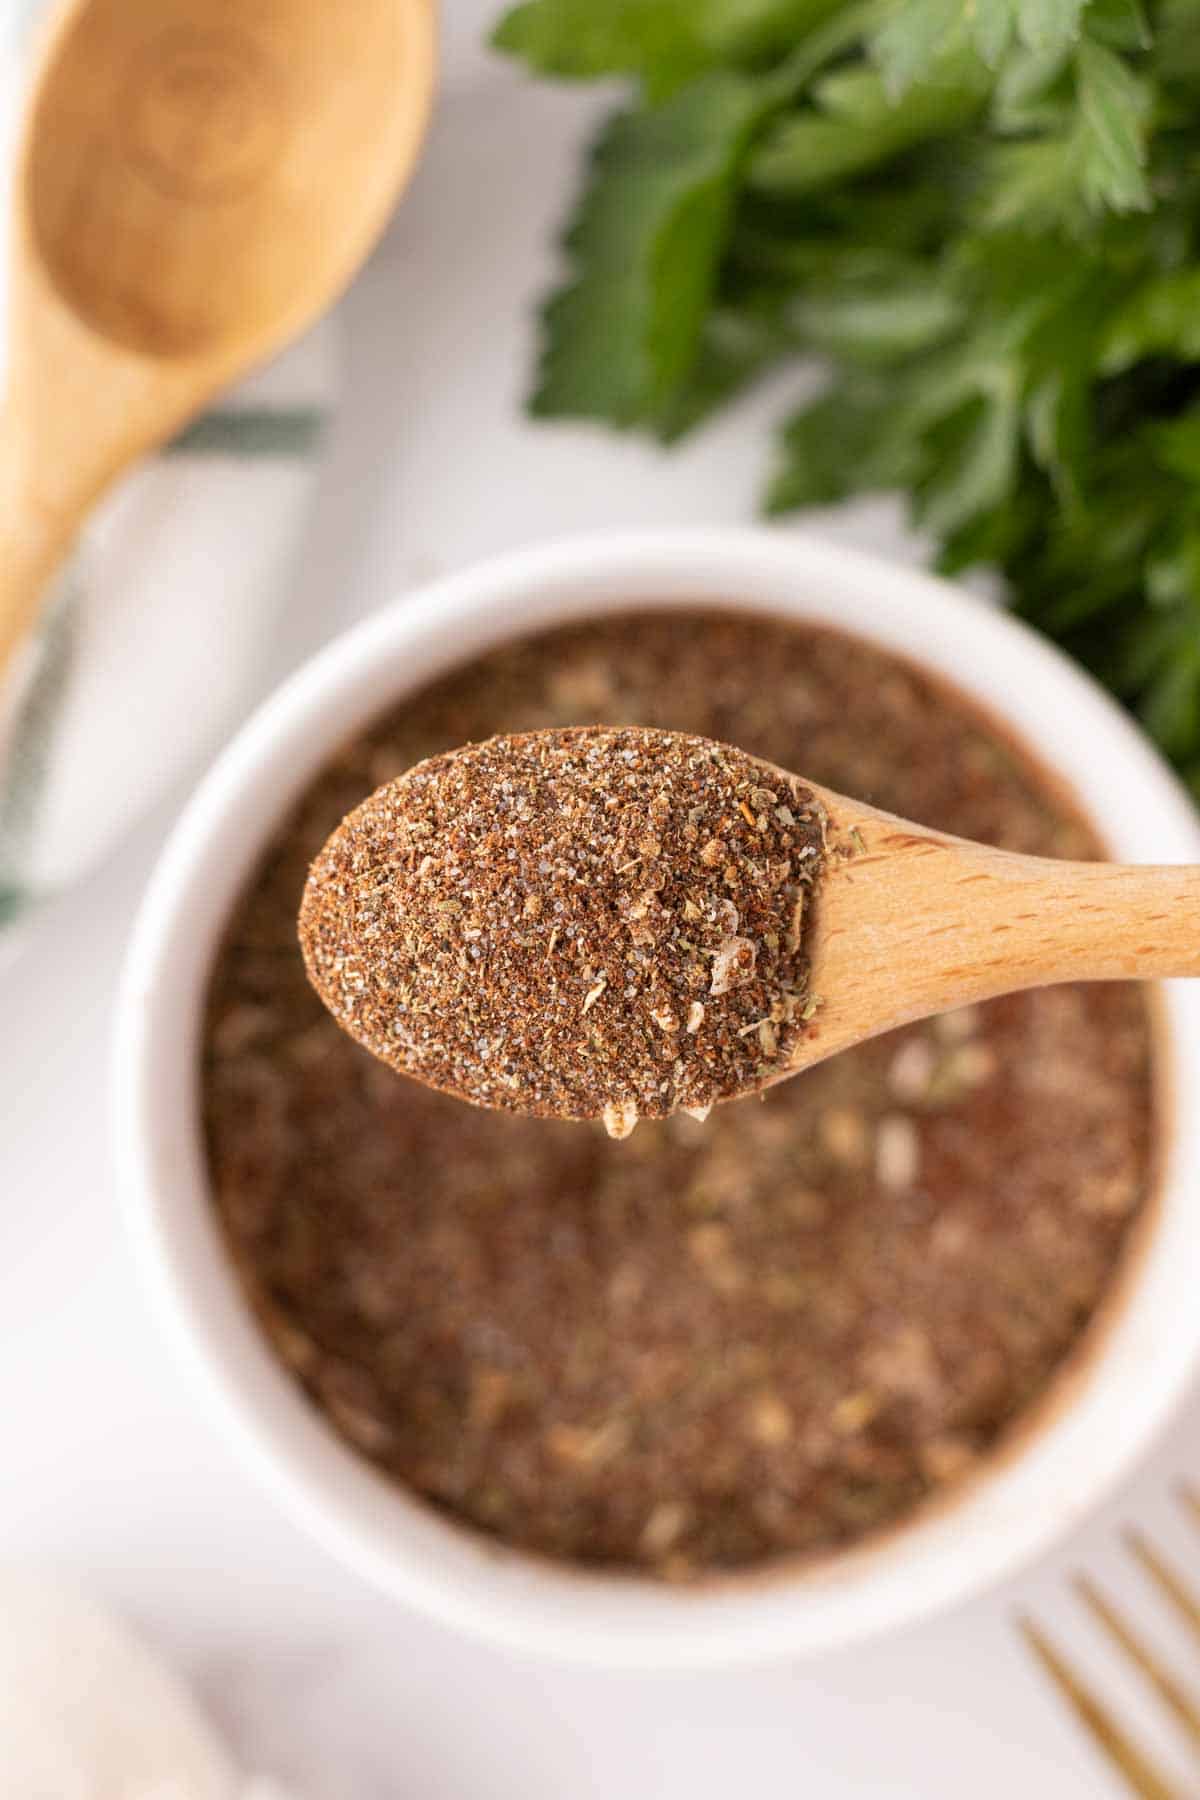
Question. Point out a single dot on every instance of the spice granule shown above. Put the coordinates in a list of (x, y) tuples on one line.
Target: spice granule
[(580, 924)]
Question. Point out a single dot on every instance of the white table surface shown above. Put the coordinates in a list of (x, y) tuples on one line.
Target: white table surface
[(108, 1469)]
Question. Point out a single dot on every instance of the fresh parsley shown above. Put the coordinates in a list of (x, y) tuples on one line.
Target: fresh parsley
[(985, 216)]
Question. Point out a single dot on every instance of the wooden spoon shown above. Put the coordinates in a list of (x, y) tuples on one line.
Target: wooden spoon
[(909, 923), (537, 840), (198, 181)]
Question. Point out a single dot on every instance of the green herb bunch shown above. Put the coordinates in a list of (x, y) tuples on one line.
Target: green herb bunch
[(984, 213)]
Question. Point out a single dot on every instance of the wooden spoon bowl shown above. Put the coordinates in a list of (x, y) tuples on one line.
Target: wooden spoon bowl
[(198, 181)]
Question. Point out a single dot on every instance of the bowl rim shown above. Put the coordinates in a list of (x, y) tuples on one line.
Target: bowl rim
[(1118, 1401)]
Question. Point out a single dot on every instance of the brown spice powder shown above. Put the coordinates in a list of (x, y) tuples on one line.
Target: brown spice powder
[(712, 1345), (574, 924)]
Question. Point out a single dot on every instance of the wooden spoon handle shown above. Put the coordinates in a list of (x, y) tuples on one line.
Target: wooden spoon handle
[(33, 543), (1023, 922), (911, 924)]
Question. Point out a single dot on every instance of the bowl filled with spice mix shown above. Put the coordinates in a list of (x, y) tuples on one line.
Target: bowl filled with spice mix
[(756, 1380)]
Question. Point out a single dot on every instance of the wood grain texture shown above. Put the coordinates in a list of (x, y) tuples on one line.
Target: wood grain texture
[(908, 923), (197, 182)]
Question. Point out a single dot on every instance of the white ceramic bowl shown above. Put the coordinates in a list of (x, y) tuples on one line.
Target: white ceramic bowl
[(1106, 1413)]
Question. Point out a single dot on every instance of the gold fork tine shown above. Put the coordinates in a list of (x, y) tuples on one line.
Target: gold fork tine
[(1189, 1499), (1167, 1579), (1172, 1693), (1140, 1773)]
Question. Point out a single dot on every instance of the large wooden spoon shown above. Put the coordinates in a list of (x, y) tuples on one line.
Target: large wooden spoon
[(622, 922), (198, 180)]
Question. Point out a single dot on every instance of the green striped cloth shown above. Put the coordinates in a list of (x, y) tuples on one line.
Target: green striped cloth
[(147, 648)]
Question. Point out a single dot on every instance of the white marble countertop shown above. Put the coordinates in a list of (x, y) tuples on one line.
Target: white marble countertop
[(107, 1468)]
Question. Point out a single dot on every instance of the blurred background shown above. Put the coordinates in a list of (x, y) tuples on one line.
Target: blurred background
[(107, 1470)]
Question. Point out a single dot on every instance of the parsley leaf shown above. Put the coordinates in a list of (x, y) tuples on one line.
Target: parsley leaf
[(738, 343), (853, 124), (918, 31), (624, 333), (845, 443), (1114, 110), (1160, 318), (1095, 160), (664, 42), (877, 312), (915, 35)]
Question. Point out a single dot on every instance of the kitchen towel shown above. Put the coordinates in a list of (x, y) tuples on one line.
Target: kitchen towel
[(147, 647), (87, 1713)]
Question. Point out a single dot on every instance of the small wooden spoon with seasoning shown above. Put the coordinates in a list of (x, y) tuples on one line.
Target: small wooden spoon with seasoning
[(625, 923), (198, 181)]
